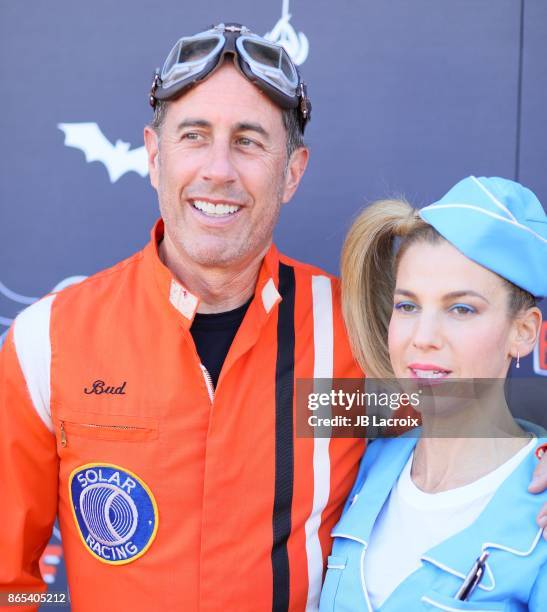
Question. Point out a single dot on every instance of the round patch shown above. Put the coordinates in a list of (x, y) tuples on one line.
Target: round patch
[(114, 510)]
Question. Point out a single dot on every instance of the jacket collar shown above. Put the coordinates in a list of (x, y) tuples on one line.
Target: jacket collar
[(185, 303), (517, 534), (358, 520)]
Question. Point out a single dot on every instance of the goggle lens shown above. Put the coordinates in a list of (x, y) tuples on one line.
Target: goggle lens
[(188, 57), (272, 60), (193, 51)]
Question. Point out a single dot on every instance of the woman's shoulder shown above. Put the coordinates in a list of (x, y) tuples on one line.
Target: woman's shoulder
[(384, 458), (386, 449)]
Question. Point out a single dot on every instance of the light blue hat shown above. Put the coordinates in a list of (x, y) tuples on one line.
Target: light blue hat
[(499, 224)]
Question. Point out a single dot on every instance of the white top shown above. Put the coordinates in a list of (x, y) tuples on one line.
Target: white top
[(411, 522)]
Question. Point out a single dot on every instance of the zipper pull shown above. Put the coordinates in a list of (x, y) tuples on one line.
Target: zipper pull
[(208, 382), (63, 434)]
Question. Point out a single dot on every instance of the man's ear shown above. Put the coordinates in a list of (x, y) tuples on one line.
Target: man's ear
[(151, 142), (526, 329), (295, 169)]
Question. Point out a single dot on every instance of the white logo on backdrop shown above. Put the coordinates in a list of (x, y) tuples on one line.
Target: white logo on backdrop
[(296, 44), (117, 159), (25, 300)]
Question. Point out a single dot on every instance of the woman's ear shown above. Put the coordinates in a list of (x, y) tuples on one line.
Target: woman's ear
[(526, 328)]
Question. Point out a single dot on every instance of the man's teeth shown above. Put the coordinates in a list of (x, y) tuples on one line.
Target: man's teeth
[(215, 209), (430, 373)]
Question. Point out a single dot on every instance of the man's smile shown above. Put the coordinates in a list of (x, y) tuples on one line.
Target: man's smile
[(215, 209), (215, 213)]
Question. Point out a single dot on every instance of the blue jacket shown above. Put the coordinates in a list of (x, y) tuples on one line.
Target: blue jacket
[(516, 574)]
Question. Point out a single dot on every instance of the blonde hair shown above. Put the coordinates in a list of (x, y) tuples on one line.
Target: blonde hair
[(368, 266)]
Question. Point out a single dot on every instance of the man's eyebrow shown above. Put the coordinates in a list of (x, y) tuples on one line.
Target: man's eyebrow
[(247, 126), (451, 295), (192, 122), (243, 126)]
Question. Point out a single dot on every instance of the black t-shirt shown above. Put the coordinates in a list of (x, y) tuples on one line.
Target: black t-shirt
[(213, 335)]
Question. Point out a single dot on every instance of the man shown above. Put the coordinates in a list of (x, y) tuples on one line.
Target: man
[(153, 405)]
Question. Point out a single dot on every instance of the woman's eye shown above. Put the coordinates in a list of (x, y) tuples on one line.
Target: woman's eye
[(405, 306), (462, 309)]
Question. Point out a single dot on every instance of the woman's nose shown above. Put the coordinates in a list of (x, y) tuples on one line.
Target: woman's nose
[(427, 333)]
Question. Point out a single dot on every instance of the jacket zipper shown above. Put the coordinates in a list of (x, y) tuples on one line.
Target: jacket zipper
[(64, 440), (208, 382)]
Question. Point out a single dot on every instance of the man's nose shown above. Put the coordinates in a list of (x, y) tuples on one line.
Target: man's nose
[(427, 332), (218, 166)]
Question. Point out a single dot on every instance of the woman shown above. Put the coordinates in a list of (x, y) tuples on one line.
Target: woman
[(456, 301)]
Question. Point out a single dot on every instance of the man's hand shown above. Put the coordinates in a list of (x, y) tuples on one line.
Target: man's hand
[(538, 485)]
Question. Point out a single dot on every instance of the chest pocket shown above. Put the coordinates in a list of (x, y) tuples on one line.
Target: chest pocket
[(435, 601), (118, 428)]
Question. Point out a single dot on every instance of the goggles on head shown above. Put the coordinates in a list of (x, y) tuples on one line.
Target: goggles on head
[(267, 65)]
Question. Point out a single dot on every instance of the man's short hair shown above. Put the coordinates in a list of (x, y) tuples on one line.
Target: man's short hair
[(291, 123)]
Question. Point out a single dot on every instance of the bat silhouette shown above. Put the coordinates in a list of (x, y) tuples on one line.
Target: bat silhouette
[(118, 159)]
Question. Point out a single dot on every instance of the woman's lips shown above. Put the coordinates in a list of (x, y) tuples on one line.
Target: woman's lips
[(428, 371)]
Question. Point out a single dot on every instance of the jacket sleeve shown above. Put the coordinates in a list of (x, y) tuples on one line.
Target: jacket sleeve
[(538, 595), (28, 464)]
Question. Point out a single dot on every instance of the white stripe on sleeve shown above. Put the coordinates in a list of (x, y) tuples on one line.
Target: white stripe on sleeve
[(33, 347)]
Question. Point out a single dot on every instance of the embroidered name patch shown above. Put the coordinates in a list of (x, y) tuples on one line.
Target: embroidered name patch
[(114, 510)]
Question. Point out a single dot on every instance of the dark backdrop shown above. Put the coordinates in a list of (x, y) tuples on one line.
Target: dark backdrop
[(408, 97)]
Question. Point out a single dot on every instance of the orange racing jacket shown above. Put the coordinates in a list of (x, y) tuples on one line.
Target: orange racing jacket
[(172, 495)]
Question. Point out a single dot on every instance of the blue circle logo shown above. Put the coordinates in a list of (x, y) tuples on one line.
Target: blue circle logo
[(114, 510)]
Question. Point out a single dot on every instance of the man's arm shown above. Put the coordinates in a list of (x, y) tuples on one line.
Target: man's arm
[(28, 468)]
